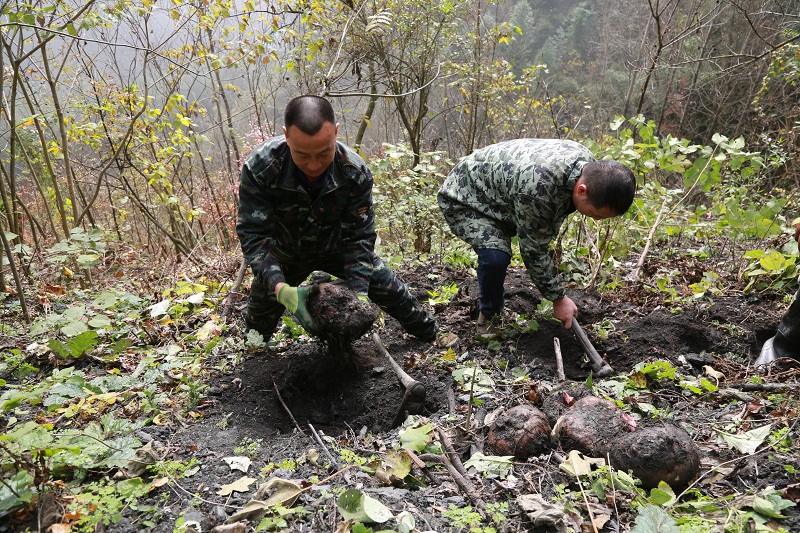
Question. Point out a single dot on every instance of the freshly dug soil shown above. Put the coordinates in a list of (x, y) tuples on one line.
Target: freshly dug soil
[(590, 426), (521, 431), (657, 451), (340, 315)]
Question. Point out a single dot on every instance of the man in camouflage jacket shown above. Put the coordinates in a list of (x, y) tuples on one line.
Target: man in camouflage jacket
[(786, 342), (527, 187), (305, 204)]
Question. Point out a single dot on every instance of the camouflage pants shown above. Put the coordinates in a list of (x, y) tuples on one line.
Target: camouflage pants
[(787, 338), (385, 289), (476, 229)]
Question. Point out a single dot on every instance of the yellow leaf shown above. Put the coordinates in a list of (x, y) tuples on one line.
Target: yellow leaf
[(240, 485)]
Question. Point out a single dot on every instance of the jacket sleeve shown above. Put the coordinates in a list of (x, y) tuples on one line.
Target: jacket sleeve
[(255, 228), (358, 235), (539, 227)]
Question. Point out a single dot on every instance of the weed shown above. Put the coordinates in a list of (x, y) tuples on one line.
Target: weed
[(443, 295), (249, 447)]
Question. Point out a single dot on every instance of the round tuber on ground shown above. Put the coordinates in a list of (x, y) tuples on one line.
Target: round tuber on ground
[(521, 431), (658, 451), (589, 425)]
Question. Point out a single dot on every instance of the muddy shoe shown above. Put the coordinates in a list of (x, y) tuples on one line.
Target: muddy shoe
[(446, 339), (486, 327)]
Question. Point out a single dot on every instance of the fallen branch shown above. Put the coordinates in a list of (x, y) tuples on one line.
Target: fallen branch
[(420, 464), (464, 484), (334, 462), (287, 409), (753, 387), (451, 453), (559, 360)]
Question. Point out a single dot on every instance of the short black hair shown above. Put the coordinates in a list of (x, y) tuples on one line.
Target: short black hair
[(610, 184), (309, 113)]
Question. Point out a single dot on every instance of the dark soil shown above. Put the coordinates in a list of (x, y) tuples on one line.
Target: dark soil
[(306, 401)]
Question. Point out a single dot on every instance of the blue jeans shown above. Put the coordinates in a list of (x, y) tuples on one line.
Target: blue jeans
[(492, 268)]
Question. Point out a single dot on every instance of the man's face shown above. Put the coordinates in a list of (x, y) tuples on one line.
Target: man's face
[(312, 154), (591, 211), (580, 198)]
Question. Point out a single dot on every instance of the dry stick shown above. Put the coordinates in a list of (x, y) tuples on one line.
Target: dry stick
[(334, 462), (419, 463), (464, 484), (227, 305), (287, 410), (586, 501), (451, 453), (559, 360), (752, 387)]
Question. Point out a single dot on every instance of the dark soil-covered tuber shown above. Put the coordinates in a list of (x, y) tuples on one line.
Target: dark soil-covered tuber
[(561, 398), (590, 425), (521, 431), (339, 315), (657, 452)]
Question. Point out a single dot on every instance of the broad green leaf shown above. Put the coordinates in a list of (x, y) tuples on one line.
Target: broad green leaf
[(771, 503), (772, 261), (99, 321), (74, 328), (416, 439), (353, 504), (663, 495), (652, 519)]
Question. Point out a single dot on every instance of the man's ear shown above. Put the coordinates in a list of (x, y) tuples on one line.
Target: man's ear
[(581, 189), (285, 132)]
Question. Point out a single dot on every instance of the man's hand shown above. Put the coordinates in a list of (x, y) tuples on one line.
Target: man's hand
[(797, 233), (564, 309), (295, 299)]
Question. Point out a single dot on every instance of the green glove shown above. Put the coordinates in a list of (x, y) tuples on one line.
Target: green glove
[(295, 299)]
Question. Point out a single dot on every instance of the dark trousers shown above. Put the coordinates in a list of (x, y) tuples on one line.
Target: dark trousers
[(492, 268), (787, 338), (385, 289)]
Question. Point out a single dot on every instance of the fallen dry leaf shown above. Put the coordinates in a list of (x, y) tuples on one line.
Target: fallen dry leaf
[(240, 485)]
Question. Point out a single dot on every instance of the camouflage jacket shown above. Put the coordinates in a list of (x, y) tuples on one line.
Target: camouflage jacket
[(277, 220), (523, 186)]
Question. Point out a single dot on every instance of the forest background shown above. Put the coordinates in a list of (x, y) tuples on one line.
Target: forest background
[(123, 127)]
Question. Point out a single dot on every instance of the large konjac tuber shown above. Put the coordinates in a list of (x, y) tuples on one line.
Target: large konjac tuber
[(521, 431)]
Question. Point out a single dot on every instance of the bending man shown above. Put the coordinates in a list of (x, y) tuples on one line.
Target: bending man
[(527, 187)]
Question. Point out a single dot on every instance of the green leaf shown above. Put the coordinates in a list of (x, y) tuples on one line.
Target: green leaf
[(99, 321), (416, 439), (353, 504), (772, 261), (663, 495), (652, 519), (21, 482), (771, 503), (82, 343)]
